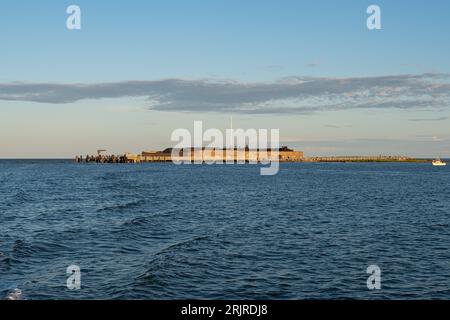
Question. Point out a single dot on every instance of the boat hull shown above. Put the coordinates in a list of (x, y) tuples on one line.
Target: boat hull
[(439, 164)]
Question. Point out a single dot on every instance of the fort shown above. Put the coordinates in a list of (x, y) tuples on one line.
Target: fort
[(199, 155)]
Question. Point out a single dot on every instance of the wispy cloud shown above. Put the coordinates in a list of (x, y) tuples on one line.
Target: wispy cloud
[(429, 138), (274, 67), (285, 96), (335, 126), (428, 119), (312, 65)]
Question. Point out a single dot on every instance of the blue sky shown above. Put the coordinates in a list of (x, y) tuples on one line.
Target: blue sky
[(243, 42)]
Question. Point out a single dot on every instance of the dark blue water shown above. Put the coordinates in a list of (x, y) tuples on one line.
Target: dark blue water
[(156, 231)]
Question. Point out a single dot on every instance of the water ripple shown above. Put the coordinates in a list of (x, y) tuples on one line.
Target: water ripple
[(160, 231)]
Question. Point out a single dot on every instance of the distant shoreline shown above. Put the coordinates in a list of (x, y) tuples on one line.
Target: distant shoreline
[(305, 160)]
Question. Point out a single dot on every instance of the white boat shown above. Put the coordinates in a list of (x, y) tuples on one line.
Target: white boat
[(438, 163)]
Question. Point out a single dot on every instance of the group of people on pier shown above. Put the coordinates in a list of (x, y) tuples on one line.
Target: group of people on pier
[(102, 159)]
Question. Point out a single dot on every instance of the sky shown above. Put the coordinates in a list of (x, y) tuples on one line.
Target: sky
[(137, 70)]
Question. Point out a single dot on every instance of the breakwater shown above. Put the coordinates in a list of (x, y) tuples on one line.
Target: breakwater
[(380, 158), (102, 159)]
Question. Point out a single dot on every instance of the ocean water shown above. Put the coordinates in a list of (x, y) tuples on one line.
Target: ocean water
[(161, 231)]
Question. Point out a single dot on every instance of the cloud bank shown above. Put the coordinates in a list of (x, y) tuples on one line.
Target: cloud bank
[(294, 95)]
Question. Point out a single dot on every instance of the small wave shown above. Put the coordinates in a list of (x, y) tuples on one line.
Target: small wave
[(163, 257), (123, 206), (5, 261), (139, 221), (438, 226), (22, 250), (183, 243), (21, 247), (18, 198)]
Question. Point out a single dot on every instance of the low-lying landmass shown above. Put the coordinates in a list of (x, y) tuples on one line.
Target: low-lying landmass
[(283, 154)]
